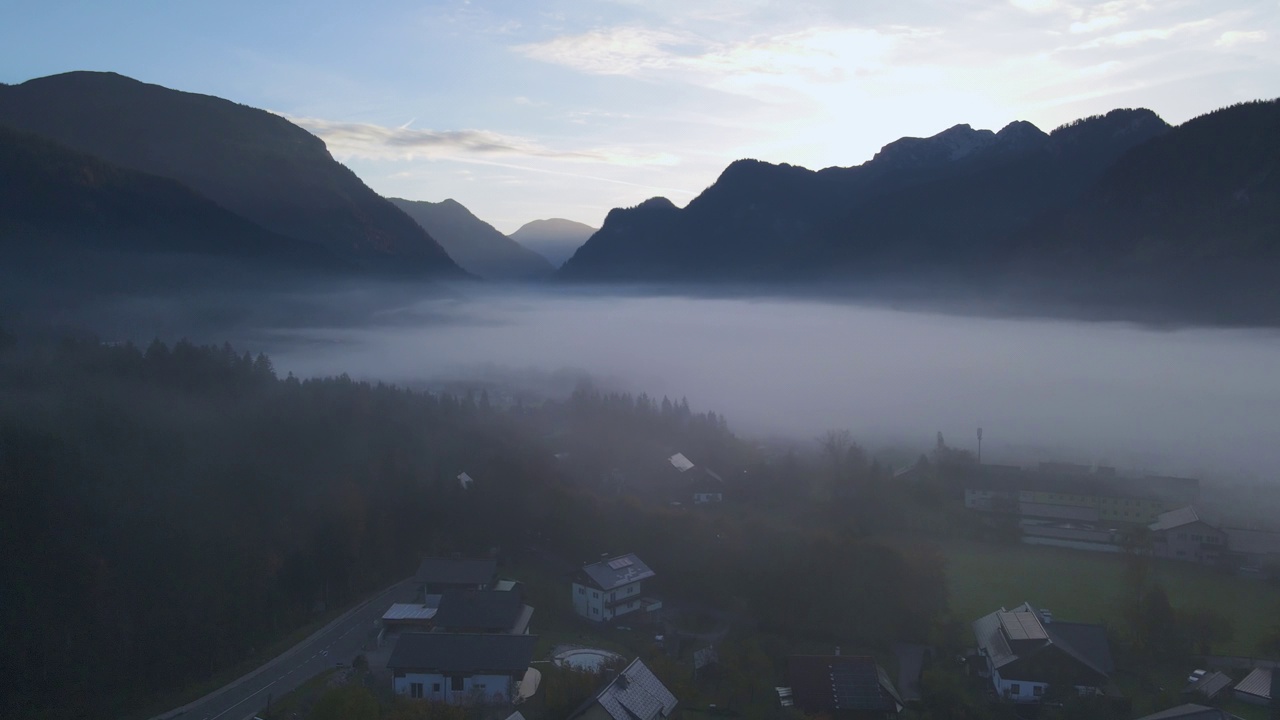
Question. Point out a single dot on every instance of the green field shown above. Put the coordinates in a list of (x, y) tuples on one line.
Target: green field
[(1084, 586)]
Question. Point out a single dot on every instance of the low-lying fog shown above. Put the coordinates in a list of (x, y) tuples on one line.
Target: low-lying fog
[(1193, 401)]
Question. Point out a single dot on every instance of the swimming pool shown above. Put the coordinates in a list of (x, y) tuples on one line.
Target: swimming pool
[(591, 659)]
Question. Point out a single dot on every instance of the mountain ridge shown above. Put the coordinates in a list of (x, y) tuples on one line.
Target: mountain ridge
[(254, 163), (477, 247)]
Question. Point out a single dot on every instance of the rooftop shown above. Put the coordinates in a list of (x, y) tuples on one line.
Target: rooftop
[(493, 610), (457, 571), (616, 572), (636, 694), (414, 611), (1176, 518), (841, 682), (680, 462), (463, 653), (1257, 683), (1188, 712)]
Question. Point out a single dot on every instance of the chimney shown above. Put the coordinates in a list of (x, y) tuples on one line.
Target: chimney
[(837, 651)]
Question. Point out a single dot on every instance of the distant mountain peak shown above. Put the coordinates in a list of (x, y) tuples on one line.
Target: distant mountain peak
[(954, 143)]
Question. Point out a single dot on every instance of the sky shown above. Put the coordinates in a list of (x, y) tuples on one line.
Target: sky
[(526, 109)]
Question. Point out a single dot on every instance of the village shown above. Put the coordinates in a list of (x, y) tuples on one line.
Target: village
[(534, 634)]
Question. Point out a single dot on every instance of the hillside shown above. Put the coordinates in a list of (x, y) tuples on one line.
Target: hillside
[(556, 239), (474, 244), (1190, 220), (919, 203), (253, 163), (69, 215)]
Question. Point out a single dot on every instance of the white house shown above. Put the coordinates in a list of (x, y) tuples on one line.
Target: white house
[(460, 668), (611, 588)]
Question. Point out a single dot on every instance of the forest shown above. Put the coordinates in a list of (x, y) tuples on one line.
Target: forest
[(169, 510)]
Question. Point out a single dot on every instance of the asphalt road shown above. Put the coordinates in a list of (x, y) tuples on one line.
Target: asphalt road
[(338, 642)]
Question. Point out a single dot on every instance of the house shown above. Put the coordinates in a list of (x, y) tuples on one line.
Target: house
[(1024, 650), (635, 694), (460, 667), (612, 588), (1258, 687), (848, 686), (709, 488), (1182, 535), (1256, 550), (1189, 712), (483, 611), (690, 481), (437, 574)]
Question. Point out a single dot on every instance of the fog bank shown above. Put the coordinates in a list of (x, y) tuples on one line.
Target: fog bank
[(1194, 401)]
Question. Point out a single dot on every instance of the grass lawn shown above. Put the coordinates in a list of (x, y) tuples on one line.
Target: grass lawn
[(1086, 586)]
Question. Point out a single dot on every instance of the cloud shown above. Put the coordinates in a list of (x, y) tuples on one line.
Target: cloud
[(376, 142), (1231, 38), (1130, 38), (1036, 6), (758, 66)]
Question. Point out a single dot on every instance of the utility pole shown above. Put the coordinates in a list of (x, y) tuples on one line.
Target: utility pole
[(979, 446)]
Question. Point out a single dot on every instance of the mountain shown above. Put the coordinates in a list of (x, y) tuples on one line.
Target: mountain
[(474, 244), (1189, 220), (556, 239), (254, 163), (935, 204), (66, 214)]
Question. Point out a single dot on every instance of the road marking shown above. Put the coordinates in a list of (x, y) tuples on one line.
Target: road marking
[(224, 712)]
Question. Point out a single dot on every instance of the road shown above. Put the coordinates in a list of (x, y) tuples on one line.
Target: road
[(337, 642)]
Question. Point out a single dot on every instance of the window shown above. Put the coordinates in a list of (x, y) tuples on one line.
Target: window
[(1015, 689), (582, 591), (415, 690), (1038, 690), (595, 611), (456, 683), (613, 596), (595, 594), (435, 687)]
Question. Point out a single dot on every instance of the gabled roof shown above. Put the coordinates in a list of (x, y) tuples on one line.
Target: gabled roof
[(495, 610), (616, 572), (1188, 712), (463, 653), (840, 682), (457, 571), (1024, 628), (1085, 642), (1256, 683), (635, 694), (1175, 518)]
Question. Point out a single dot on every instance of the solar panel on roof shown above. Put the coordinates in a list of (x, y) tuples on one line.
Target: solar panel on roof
[(619, 563)]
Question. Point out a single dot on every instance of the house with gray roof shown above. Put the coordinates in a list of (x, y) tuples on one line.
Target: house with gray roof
[(1023, 651), (612, 588), (460, 668), (635, 694), (1182, 534)]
